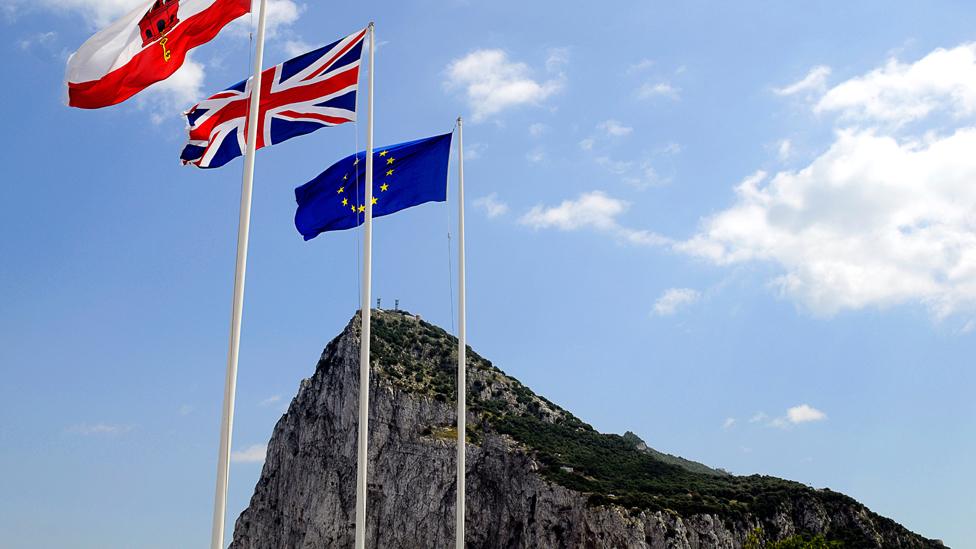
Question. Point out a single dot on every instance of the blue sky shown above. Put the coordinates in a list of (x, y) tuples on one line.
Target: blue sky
[(745, 231)]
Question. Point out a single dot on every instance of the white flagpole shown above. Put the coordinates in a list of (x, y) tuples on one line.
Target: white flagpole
[(462, 354), (365, 315), (243, 231)]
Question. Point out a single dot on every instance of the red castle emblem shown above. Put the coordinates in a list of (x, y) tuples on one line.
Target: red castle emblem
[(161, 17)]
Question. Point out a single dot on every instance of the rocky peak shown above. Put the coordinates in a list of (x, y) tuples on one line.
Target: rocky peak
[(537, 476)]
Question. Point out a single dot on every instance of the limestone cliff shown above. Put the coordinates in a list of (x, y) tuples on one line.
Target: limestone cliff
[(536, 475)]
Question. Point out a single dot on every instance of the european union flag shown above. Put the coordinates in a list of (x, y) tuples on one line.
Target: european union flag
[(404, 175)]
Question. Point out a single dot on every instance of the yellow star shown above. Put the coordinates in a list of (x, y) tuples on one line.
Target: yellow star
[(384, 187), (375, 199), (362, 208), (353, 208), (390, 160), (389, 173), (345, 177), (345, 201), (356, 161), (383, 153), (341, 190)]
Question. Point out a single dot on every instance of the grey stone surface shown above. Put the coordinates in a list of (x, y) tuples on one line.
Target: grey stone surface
[(306, 493)]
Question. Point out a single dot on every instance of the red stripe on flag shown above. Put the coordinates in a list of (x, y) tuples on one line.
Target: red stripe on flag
[(323, 117)]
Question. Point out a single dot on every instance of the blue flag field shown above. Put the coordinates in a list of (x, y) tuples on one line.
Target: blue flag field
[(404, 175)]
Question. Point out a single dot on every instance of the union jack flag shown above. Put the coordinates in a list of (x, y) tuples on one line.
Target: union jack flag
[(299, 96)]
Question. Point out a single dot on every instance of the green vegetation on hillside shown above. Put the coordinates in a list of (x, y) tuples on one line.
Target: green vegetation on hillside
[(610, 469), (613, 471), (757, 540)]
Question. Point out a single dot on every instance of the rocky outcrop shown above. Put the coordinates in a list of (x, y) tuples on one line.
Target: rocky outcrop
[(518, 494)]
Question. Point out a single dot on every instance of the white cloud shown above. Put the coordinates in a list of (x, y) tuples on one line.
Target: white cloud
[(10, 11), (281, 13), (45, 39), (814, 81), (104, 429), (294, 48), (645, 176), (639, 175), (616, 167), (784, 149), (899, 93), (658, 89), (491, 82), (535, 156), (879, 219), (871, 222), (379, 46), (473, 151), (491, 205), (557, 59), (270, 400), (674, 299), (537, 129), (728, 423), (185, 410), (670, 149), (252, 454), (592, 210), (640, 66), (804, 413), (614, 128), (96, 13)]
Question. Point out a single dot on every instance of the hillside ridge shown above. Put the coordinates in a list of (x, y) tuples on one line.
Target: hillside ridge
[(538, 476)]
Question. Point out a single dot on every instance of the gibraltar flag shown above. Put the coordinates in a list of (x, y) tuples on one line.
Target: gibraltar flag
[(144, 47)]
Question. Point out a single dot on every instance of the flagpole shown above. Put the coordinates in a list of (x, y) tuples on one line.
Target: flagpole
[(462, 354), (362, 448), (243, 231)]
